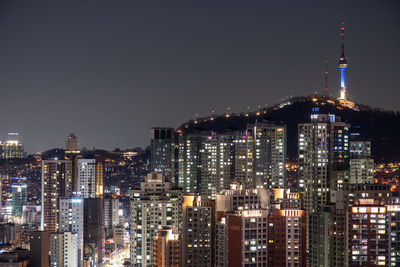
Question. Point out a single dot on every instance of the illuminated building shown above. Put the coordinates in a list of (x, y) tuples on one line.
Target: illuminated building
[(393, 210), (361, 163), (90, 177), (86, 178), (111, 212), (162, 152), (31, 215), (241, 239), (167, 249), (71, 144), (19, 196), (56, 183), (209, 162), (198, 231), (71, 220), (12, 148), (63, 250), (240, 198), (323, 150), (154, 206), (368, 235), (269, 154), (287, 230)]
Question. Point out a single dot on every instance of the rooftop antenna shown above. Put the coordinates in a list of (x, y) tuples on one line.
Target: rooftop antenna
[(326, 78)]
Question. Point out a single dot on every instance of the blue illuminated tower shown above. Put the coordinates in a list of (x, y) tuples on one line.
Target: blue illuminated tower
[(342, 65)]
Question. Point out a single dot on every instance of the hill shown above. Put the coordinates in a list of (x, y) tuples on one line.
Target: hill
[(380, 126)]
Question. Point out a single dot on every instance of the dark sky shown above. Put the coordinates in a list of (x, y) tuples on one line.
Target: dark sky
[(109, 70)]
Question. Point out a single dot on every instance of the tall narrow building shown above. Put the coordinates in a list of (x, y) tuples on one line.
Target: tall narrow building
[(323, 151), (198, 231), (154, 206), (56, 183), (162, 152)]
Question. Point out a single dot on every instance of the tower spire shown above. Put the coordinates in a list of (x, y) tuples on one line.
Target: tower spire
[(342, 64)]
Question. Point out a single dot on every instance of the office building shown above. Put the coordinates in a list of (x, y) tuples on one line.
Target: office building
[(56, 183), (71, 144), (154, 206), (198, 231), (19, 197), (12, 148)]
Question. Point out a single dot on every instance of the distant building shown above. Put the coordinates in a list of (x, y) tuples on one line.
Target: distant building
[(86, 178), (111, 212), (12, 148), (31, 215), (162, 152), (71, 144), (19, 197), (154, 206), (167, 249), (361, 163)]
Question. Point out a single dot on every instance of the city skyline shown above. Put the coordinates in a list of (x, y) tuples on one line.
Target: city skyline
[(110, 72)]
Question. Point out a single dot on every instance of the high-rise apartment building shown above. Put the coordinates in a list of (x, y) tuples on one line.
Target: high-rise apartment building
[(71, 220), (56, 183), (162, 152), (111, 212), (323, 151), (269, 154), (287, 232), (361, 163), (241, 239), (240, 198), (368, 235), (154, 206), (255, 157), (63, 250), (86, 179), (167, 249), (198, 231)]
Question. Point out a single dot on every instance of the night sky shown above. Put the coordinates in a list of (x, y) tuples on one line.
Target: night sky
[(109, 70)]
